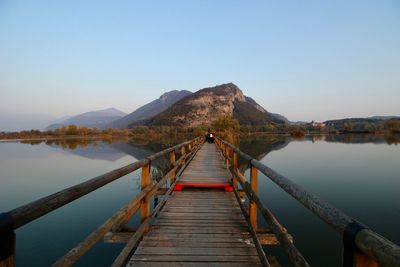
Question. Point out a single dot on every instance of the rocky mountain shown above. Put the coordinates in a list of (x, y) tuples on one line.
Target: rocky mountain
[(151, 109), (208, 104), (98, 118)]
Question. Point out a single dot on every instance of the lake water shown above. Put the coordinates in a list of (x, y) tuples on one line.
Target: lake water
[(358, 174)]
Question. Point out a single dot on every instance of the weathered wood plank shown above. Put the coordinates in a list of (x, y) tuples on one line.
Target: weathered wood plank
[(191, 264), (211, 239), (195, 224), (201, 220), (194, 244), (143, 250), (196, 258), (198, 235), (200, 230), (264, 239), (202, 209)]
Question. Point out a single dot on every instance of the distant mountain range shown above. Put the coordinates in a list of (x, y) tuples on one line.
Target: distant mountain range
[(208, 104), (182, 108), (177, 108), (98, 119), (151, 109)]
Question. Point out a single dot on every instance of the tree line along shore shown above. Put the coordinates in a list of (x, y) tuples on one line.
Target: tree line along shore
[(225, 125)]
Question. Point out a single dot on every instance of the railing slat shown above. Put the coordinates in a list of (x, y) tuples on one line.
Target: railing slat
[(115, 221), (172, 164), (38, 208), (29, 212), (145, 181), (252, 204), (280, 232), (135, 239), (375, 246)]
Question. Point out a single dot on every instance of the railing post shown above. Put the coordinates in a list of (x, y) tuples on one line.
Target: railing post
[(145, 181), (235, 167), (227, 154), (183, 151), (352, 257), (172, 165), (252, 203), (7, 241)]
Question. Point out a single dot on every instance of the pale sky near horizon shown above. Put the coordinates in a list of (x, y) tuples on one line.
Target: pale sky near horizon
[(307, 60)]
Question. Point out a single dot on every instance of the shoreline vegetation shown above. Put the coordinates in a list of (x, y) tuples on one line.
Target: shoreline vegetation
[(226, 127)]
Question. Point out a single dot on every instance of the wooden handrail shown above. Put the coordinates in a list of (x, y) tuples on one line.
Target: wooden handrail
[(257, 244), (27, 213), (376, 247), (127, 211), (280, 232), (136, 237)]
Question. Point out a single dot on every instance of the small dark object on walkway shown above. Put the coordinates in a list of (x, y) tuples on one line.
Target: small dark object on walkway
[(210, 136)]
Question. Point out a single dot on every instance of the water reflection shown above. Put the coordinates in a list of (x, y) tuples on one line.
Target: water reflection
[(351, 177), (260, 147), (257, 147), (96, 149), (363, 138)]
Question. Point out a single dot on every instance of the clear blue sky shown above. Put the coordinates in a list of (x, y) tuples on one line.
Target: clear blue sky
[(308, 60)]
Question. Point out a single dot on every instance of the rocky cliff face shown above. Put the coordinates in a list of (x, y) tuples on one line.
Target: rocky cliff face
[(209, 104)]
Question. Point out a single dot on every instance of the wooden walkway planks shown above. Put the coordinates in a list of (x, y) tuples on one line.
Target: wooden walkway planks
[(207, 166), (199, 227)]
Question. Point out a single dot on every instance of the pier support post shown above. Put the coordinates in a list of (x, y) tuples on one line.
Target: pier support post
[(226, 153), (235, 167), (145, 205), (183, 151), (172, 165), (252, 203)]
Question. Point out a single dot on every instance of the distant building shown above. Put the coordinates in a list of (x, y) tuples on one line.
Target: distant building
[(318, 124)]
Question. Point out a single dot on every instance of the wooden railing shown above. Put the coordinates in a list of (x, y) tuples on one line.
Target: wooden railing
[(361, 246), (18, 217)]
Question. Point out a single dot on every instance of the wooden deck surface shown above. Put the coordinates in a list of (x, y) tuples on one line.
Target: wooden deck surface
[(206, 167), (199, 227)]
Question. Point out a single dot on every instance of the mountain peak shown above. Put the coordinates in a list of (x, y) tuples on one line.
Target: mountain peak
[(229, 90), (208, 104)]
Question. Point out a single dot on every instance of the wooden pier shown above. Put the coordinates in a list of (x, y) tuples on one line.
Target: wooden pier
[(199, 227), (205, 214)]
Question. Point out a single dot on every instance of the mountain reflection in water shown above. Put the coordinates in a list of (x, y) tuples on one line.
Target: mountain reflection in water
[(351, 177), (256, 147)]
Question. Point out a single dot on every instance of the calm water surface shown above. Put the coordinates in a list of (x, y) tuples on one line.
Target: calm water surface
[(358, 174)]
